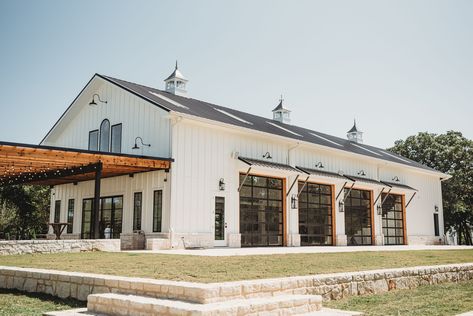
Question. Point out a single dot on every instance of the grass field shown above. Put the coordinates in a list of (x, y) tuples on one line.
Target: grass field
[(432, 300), (14, 303), (218, 269)]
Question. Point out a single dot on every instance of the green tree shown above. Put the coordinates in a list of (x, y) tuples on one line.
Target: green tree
[(24, 211), (450, 153)]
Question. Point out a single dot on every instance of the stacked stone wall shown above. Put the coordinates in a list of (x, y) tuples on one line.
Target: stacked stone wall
[(19, 247)]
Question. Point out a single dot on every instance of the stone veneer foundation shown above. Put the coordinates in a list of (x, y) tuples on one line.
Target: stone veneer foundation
[(20, 247), (329, 286)]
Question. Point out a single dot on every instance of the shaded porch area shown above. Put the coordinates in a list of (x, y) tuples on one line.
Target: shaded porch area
[(46, 165)]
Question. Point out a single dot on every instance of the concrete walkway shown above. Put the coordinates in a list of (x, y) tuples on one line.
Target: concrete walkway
[(225, 251)]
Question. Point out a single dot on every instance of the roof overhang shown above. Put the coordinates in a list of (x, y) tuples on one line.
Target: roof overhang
[(47, 165)]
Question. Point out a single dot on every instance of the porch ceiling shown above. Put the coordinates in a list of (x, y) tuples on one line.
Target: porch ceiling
[(45, 165)]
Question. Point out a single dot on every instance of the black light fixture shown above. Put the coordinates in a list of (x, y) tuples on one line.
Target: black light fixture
[(319, 165), (267, 155), (361, 173), (396, 178), (221, 184), (141, 140), (380, 209), (294, 201), (166, 171), (93, 99), (341, 206), (436, 208)]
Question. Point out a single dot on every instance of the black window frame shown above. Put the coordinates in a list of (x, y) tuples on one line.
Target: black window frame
[(436, 225), (355, 214), (70, 215), (97, 140), (316, 209), (157, 210), (137, 210), (57, 211), (392, 219), (111, 138), (219, 230), (102, 129)]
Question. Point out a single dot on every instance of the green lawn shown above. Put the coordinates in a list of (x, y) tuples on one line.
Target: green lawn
[(441, 299), (18, 303), (218, 269)]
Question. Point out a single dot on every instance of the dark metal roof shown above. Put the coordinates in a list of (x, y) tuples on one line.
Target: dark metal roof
[(399, 185), (317, 172), (279, 106), (367, 180), (230, 116), (267, 164)]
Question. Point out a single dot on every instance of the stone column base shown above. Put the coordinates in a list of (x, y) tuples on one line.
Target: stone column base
[(234, 240), (341, 240), (294, 240)]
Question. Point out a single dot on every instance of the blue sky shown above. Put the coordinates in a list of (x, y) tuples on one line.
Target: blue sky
[(399, 67)]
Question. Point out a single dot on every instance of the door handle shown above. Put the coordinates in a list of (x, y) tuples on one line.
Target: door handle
[(225, 225)]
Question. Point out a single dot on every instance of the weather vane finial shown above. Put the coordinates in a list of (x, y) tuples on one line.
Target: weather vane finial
[(281, 99)]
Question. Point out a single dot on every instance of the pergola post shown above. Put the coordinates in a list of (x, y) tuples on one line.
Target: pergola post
[(98, 176)]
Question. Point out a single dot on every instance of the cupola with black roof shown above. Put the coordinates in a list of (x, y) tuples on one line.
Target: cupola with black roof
[(354, 135), (281, 114), (176, 83)]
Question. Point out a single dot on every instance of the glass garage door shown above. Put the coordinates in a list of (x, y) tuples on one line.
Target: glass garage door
[(315, 214), (393, 220), (358, 219), (261, 211)]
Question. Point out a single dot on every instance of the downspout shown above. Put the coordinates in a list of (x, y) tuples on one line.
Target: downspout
[(174, 120)]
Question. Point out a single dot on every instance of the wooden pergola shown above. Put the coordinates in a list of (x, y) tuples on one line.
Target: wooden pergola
[(46, 165)]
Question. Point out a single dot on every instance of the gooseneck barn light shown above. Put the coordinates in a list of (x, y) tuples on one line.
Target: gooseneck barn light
[(98, 98), (141, 141)]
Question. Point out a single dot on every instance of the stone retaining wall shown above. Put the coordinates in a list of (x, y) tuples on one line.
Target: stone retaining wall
[(19, 247), (330, 286)]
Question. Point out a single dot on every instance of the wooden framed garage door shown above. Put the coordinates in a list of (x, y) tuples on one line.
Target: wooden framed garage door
[(358, 217), (261, 211), (316, 224)]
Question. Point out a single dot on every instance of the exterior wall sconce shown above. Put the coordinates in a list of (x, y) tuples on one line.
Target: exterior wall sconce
[(361, 173), (294, 201), (319, 165), (166, 171), (341, 206), (436, 208), (379, 208), (136, 143), (98, 98), (221, 184), (396, 179), (267, 155)]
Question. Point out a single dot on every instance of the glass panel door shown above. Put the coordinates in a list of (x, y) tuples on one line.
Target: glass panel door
[(358, 217), (261, 212), (393, 219), (110, 216), (220, 224)]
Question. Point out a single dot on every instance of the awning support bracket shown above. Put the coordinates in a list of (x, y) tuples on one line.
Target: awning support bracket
[(292, 185), (340, 192), (387, 194), (346, 195), (303, 186), (244, 179), (377, 198), (411, 199)]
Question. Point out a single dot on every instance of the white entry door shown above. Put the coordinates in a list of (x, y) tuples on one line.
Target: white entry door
[(220, 226)]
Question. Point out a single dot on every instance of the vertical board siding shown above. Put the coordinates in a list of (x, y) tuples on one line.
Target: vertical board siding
[(139, 118)]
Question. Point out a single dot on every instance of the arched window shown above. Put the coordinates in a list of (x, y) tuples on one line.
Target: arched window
[(105, 136)]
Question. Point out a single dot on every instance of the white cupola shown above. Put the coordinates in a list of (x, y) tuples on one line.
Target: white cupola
[(281, 114), (354, 135), (176, 83)]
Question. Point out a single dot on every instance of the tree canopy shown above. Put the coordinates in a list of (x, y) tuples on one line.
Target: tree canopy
[(450, 153)]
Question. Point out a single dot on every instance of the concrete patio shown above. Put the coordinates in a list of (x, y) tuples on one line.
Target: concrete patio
[(225, 251)]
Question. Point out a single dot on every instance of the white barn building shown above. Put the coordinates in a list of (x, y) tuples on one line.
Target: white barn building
[(236, 179)]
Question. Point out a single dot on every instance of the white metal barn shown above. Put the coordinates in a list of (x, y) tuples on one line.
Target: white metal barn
[(234, 179)]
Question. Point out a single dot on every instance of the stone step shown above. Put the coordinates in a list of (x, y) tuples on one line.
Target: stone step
[(123, 305)]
